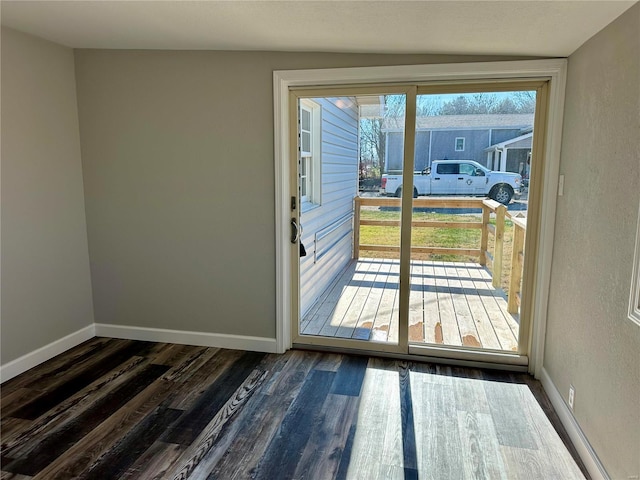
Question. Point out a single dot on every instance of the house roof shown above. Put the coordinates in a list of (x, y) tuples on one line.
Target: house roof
[(466, 122), (523, 141)]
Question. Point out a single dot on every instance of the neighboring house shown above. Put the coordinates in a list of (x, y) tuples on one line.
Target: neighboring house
[(511, 155), (499, 141), (328, 183)]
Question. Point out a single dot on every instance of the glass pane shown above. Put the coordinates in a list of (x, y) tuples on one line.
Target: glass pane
[(467, 254), (305, 142), (305, 120), (349, 279)]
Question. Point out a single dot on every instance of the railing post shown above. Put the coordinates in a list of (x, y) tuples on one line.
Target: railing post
[(356, 227), (497, 251), (484, 239), (516, 267)]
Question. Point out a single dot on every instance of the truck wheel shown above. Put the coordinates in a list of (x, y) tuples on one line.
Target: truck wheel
[(399, 192), (503, 194)]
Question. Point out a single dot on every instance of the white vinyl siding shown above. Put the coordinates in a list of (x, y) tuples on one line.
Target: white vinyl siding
[(328, 228)]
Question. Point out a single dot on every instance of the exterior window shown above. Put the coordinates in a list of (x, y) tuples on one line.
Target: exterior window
[(459, 144), (309, 153)]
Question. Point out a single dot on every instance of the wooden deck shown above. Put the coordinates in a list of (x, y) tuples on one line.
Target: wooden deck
[(451, 304)]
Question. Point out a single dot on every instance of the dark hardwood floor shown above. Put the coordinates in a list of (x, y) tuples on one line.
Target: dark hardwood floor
[(139, 410)]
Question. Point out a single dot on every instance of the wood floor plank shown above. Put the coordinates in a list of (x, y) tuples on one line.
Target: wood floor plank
[(71, 386), (155, 462), (210, 435), (59, 367), (13, 476), (12, 427), (524, 463), (469, 390), (57, 442), (437, 435), (207, 370), (512, 426), (378, 434), (249, 438), (560, 461), (407, 420), (349, 376), (481, 457), (115, 461), (187, 429), (285, 450), (18, 443), (14, 399), (104, 440), (327, 447)]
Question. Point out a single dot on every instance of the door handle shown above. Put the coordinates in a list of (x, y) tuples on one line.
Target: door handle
[(460, 178), (437, 178), (295, 231)]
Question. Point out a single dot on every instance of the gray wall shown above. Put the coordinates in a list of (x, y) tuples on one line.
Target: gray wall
[(177, 152), (46, 289), (590, 342)]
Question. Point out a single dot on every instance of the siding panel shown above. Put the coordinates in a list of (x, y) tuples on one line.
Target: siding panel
[(327, 254)]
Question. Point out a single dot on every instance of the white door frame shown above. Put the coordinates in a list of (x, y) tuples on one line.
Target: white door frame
[(554, 70)]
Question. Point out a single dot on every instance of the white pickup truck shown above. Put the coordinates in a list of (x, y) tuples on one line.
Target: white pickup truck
[(457, 177)]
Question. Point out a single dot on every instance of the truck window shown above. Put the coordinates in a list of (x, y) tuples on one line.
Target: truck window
[(448, 168), (467, 169)]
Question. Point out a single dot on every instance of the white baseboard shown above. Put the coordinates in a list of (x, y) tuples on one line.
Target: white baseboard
[(586, 452), (42, 354), (220, 340)]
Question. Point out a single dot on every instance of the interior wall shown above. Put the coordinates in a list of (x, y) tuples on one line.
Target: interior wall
[(46, 289), (177, 151), (590, 342)]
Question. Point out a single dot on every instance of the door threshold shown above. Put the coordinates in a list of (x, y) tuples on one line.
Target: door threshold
[(442, 356)]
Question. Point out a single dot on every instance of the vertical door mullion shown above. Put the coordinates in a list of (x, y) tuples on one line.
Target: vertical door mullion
[(294, 214), (406, 214)]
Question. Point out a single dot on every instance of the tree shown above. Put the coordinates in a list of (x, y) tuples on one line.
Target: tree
[(372, 136), (489, 103)]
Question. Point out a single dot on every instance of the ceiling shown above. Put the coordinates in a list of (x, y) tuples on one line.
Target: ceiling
[(537, 28)]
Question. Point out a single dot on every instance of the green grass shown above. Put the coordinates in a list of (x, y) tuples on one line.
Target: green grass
[(433, 237)]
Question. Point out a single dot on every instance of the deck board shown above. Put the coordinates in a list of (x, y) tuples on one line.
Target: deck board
[(449, 304)]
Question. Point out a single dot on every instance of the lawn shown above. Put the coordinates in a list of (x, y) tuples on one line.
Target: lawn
[(433, 237)]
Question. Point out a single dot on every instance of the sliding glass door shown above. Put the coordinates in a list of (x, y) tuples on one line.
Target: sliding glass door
[(340, 142), (410, 216)]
